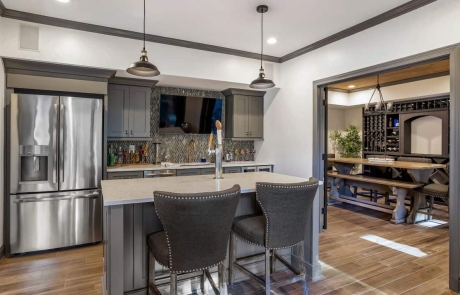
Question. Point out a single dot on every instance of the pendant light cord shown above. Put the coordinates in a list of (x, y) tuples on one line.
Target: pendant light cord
[(144, 24), (262, 39)]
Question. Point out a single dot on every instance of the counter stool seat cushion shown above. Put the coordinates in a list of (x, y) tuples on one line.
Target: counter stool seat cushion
[(436, 189), (158, 245), (251, 228)]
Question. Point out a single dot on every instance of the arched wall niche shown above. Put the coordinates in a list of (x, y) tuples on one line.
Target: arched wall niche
[(430, 128)]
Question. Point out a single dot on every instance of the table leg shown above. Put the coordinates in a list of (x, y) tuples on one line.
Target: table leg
[(400, 211), (419, 176), (334, 191), (419, 203), (344, 168)]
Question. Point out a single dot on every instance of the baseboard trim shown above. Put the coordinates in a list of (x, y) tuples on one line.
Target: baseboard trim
[(2, 252)]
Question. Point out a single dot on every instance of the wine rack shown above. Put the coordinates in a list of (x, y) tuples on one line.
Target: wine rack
[(381, 130)]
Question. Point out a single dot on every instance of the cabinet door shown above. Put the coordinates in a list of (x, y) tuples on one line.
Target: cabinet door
[(240, 116), (139, 111), (256, 117), (118, 111)]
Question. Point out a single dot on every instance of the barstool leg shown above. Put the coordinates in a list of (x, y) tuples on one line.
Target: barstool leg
[(302, 268), (173, 284), (151, 271), (204, 290), (267, 271), (431, 204), (232, 258), (222, 280), (272, 262)]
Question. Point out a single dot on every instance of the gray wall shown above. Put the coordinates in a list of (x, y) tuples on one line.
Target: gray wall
[(176, 144)]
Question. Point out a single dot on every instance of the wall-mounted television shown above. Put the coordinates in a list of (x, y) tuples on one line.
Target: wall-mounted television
[(187, 114)]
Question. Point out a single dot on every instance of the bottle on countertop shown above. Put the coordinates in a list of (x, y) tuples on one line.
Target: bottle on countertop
[(125, 155), (111, 156), (120, 156)]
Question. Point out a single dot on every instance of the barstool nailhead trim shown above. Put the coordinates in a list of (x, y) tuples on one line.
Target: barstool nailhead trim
[(265, 213), (167, 238)]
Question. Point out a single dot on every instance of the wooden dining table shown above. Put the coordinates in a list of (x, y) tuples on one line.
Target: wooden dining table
[(419, 172)]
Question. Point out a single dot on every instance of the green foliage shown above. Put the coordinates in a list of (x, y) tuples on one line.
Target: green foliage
[(347, 145)]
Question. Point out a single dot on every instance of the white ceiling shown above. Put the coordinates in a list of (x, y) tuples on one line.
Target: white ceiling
[(233, 24)]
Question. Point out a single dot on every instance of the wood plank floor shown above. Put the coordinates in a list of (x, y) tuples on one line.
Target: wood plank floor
[(361, 253)]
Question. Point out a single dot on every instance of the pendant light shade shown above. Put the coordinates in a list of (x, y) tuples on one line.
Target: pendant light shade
[(262, 82), (143, 67)]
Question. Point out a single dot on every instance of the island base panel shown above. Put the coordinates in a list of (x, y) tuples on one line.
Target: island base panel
[(126, 228)]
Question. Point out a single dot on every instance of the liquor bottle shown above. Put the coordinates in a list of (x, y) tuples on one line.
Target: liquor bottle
[(111, 156)]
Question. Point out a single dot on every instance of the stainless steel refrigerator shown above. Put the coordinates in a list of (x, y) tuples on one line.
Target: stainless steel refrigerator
[(54, 158)]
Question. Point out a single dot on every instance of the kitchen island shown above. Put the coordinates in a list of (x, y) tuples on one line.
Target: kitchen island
[(129, 217)]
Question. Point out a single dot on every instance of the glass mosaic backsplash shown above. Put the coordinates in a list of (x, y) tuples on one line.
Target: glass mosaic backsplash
[(175, 146)]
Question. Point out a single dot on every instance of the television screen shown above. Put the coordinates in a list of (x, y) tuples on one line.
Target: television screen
[(186, 114)]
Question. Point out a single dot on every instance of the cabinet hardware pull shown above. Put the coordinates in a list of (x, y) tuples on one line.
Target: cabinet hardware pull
[(126, 132), (131, 132)]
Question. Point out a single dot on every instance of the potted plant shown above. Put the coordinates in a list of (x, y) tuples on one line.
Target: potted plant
[(347, 144)]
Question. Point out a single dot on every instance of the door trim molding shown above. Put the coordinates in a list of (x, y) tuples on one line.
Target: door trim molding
[(451, 52)]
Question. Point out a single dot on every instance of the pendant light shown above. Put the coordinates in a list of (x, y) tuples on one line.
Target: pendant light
[(262, 82), (381, 104), (143, 67)]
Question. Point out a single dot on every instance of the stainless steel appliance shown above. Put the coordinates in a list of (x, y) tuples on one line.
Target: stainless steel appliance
[(55, 164)]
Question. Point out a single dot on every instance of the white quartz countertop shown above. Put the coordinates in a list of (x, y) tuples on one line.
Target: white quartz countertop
[(140, 190), (152, 167)]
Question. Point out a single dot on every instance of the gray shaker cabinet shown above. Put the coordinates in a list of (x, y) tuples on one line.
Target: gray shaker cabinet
[(139, 111), (244, 114), (240, 116), (256, 116), (129, 111), (118, 111)]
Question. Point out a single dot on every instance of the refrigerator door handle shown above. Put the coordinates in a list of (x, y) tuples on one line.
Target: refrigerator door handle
[(61, 143), (55, 170)]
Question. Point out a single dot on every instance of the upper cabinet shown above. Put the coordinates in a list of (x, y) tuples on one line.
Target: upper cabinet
[(129, 109), (244, 114)]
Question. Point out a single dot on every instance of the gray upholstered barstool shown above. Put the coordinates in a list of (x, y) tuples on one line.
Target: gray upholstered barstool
[(195, 236), (286, 210)]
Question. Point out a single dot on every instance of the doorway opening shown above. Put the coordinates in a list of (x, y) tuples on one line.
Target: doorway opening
[(386, 225)]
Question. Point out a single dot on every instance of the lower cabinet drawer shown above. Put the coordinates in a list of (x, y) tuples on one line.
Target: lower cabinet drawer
[(208, 171), (125, 175), (188, 172), (232, 170)]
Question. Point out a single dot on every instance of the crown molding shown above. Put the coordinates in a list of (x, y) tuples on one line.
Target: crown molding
[(133, 82), (45, 68), (57, 22), (63, 23), (379, 19)]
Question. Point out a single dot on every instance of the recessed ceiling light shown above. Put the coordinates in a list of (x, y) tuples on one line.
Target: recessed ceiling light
[(352, 86), (64, 1), (271, 41)]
